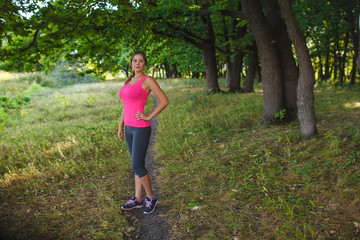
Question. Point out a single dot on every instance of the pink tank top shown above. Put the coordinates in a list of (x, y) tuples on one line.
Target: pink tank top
[(134, 98)]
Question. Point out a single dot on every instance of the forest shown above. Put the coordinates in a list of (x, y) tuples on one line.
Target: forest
[(261, 139)]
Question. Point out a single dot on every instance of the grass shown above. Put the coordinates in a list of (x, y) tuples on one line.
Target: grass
[(222, 175), (63, 170), (226, 176)]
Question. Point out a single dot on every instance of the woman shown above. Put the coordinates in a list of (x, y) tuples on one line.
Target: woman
[(134, 95)]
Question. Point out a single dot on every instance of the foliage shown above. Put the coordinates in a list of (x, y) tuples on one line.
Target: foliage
[(101, 35)]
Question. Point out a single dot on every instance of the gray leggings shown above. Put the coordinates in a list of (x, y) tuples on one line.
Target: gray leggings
[(137, 139)]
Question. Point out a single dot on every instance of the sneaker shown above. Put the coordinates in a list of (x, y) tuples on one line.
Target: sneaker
[(150, 205), (132, 203)]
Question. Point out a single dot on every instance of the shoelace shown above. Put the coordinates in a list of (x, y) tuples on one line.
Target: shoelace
[(130, 201), (148, 203)]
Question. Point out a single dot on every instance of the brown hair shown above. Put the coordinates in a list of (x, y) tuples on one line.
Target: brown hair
[(132, 74)]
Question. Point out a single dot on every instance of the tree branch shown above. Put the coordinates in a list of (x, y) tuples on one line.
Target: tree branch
[(32, 42), (188, 34)]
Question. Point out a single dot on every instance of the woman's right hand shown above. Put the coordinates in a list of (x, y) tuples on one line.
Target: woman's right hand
[(121, 133)]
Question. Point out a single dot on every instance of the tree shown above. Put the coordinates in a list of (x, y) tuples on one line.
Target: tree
[(305, 91), (289, 71), (190, 21), (270, 65)]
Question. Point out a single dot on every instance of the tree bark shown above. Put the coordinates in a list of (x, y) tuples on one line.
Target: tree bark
[(305, 89), (271, 73), (289, 70)]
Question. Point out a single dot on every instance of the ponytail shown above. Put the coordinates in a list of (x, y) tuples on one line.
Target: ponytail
[(132, 74)]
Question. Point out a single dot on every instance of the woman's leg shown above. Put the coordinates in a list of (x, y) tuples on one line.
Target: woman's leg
[(140, 143), (146, 183), (138, 188)]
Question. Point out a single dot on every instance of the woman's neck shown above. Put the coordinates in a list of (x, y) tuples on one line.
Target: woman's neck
[(139, 75)]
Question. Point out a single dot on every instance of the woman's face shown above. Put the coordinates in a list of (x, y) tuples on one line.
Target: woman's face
[(138, 63)]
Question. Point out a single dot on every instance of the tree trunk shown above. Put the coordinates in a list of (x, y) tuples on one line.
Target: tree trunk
[(321, 68), (228, 72), (271, 73), (336, 65), (327, 66), (356, 55), (228, 63), (167, 70), (258, 74), (305, 89), (355, 39), (174, 72), (195, 75), (289, 70), (343, 60), (253, 64), (358, 58), (212, 85), (235, 72), (236, 65)]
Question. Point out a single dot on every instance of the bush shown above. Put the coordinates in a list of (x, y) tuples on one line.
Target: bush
[(65, 75), (13, 102), (62, 75)]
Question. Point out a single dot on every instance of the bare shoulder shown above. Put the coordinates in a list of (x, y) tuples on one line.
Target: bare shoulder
[(149, 80), (150, 83)]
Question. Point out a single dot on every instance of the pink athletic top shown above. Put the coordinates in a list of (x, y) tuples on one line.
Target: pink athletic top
[(134, 98)]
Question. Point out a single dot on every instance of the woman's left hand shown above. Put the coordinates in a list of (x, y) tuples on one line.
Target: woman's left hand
[(141, 115)]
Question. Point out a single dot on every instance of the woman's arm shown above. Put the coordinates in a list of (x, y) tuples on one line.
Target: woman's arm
[(151, 85), (121, 126)]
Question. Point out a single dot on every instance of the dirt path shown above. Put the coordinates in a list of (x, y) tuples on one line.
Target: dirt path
[(153, 226)]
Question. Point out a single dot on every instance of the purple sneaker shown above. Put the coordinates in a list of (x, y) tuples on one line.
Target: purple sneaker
[(132, 203), (150, 205)]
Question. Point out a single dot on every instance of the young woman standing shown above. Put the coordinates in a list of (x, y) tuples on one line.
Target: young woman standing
[(134, 95)]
